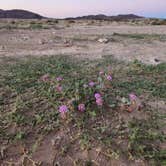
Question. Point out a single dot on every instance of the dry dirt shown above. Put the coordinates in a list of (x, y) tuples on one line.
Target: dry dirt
[(81, 40)]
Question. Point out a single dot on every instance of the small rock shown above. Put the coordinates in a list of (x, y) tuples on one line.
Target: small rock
[(53, 142), (156, 60), (68, 43), (112, 40), (2, 48), (42, 41), (103, 40), (2, 154), (57, 164), (25, 38)]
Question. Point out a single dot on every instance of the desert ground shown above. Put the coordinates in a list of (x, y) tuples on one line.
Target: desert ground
[(125, 42), (33, 52)]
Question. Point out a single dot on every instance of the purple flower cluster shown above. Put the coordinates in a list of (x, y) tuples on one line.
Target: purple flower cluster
[(59, 79), (109, 77), (99, 100), (59, 88), (91, 84), (81, 107), (101, 72), (97, 95), (63, 109), (132, 97)]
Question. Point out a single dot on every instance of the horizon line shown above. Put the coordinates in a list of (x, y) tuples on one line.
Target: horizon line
[(75, 16)]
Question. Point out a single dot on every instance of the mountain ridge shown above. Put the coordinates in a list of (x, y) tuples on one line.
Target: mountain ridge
[(105, 17), (19, 14), (25, 14)]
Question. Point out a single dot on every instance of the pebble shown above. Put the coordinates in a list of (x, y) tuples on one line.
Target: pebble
[(42, 42), (103, 40), (2, 48)]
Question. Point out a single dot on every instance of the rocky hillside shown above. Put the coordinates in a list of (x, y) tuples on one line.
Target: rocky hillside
[(104, 17), (20, 14)]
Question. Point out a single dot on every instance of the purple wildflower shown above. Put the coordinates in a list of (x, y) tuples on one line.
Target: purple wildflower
[(101, 73), (59, 88), (109, 77), (97, 95), (59, 79), (91, 83), (99, 101), (132, 97), (81, 107), (63, 109)]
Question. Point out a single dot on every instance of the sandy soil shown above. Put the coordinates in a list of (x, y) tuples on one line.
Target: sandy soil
[(81, 40)]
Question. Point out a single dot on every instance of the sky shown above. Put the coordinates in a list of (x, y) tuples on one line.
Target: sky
[(73, 8)]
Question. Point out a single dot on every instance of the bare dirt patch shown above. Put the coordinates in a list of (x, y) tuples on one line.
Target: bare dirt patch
[(81, 40)]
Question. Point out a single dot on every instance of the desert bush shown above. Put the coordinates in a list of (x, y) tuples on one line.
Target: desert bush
[(71, 21), (36, 26), (158, 22)]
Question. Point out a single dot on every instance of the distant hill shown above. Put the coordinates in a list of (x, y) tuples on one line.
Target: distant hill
[(104, 17), (127, 16), (20, 14)]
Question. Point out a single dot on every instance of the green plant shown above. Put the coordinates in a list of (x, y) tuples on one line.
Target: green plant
[(33, 90)]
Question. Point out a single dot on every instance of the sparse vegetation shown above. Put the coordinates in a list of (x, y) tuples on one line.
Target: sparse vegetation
[(29, 24), (142, 36), (69, 110), (158, 22), (33, 90)]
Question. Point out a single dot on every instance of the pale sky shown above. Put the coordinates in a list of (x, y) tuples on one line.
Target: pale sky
[(69, 8)]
